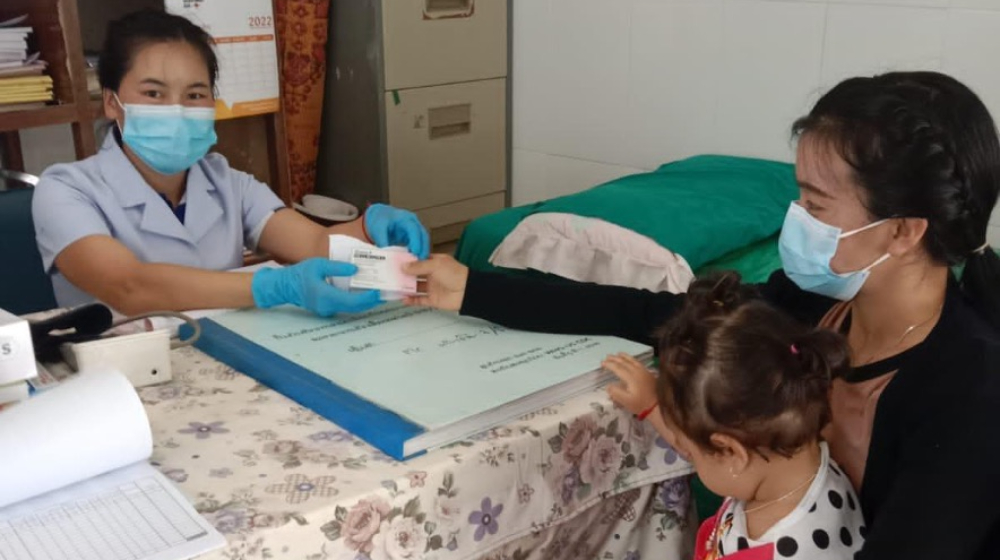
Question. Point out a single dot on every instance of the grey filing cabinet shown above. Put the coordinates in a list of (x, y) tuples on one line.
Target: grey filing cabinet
[(416, 108)]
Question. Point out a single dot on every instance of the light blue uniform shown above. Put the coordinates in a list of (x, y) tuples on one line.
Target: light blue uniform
[(105, 195)]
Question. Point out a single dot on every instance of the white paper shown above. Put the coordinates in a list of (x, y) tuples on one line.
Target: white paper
[(87, 426), (100, 519), (13, 392), (14, 21)]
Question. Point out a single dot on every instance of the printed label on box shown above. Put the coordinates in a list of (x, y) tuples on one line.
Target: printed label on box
[(382, 270), (8, 348)]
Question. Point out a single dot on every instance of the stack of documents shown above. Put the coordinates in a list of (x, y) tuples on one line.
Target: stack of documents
[(23, 84), (11, 393), (77, 484)]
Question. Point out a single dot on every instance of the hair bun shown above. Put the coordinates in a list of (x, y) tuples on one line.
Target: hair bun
[(719, 294), (822, 354)]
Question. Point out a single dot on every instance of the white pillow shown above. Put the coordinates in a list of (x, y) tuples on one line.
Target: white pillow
[(592, 250)]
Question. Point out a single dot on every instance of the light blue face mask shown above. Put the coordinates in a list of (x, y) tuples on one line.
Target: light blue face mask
[(807, 246), (168, 138)]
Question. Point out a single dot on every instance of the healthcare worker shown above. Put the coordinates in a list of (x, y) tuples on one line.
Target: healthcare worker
[(898, 176), (153, 221)]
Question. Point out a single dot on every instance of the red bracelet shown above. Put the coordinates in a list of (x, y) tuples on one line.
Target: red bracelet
[(642, 415)]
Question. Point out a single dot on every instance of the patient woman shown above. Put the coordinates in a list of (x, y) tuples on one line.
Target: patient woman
[(153, 220), (898, 176)]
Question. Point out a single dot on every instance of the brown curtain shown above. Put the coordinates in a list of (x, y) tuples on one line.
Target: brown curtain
[(302, 33)]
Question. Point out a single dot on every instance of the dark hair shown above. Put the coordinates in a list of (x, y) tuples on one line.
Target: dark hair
[(126, 35), (922, 145), (731, 364)]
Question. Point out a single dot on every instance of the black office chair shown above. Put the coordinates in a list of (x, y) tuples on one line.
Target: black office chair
[(10, 179), (24, 285)]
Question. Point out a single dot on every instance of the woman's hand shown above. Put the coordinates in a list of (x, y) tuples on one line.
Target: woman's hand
[(444, 284), (386, 226), (636, 387), (304, 284)]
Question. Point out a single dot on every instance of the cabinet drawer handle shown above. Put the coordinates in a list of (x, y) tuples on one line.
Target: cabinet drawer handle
[(451, 120), (436, 9)]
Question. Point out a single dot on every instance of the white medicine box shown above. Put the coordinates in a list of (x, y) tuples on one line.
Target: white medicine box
[(17, 355)]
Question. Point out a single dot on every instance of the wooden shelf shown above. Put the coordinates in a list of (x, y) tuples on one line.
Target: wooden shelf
[(56, 35), (97, 108), (53, 114)]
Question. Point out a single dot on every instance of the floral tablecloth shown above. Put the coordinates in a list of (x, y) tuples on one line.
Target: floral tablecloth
[(578, 480)]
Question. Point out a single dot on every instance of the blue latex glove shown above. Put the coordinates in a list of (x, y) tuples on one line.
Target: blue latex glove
[(391, 226), (304, 284)]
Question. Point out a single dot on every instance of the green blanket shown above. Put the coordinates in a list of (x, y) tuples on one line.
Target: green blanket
[(704, 208), (755, 262), (701, 208)]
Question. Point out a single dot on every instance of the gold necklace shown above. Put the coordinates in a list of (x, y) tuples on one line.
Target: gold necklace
[(784, 497), (906, 333)]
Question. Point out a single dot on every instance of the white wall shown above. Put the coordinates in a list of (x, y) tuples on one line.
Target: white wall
[(607, 87), (45, 146)]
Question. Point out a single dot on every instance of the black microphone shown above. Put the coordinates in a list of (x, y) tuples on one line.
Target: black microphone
[(84, 323)]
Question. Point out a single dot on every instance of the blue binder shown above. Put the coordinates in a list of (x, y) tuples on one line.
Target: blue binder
[(381, 428), (408, 379)]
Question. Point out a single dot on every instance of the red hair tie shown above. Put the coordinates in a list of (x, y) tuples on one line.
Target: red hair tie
[(795, 350)]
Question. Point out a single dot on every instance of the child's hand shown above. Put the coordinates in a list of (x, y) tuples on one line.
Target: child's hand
[(636, 390)]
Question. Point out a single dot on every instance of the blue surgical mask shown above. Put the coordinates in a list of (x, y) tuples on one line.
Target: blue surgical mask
[(168, 138), (807, 246)]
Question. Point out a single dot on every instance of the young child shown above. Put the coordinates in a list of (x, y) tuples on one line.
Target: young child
[(742, 394)]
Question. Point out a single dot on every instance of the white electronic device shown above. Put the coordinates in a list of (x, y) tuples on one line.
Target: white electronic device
[(143, 357), (17, 356)]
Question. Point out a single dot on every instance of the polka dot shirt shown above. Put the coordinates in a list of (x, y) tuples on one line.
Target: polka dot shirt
[(826, 524)]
